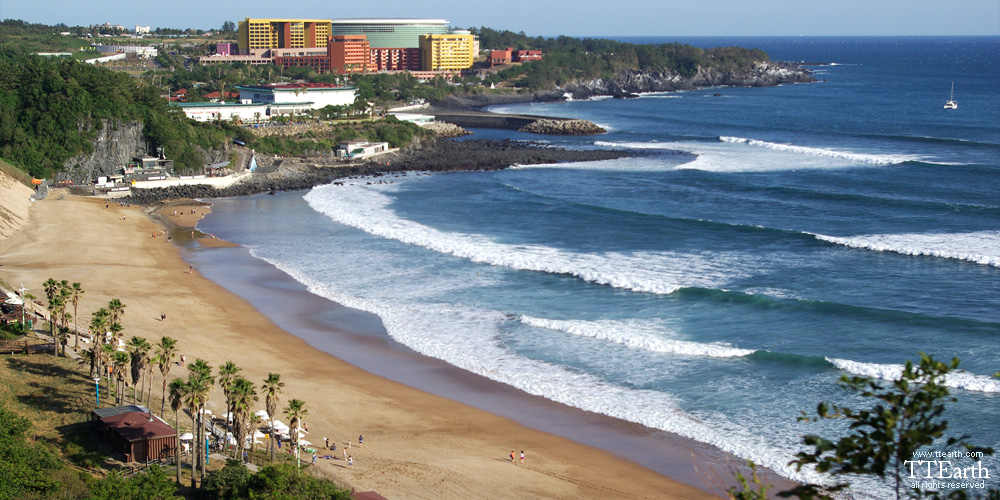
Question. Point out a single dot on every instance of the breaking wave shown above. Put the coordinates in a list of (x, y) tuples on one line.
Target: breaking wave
[(981, 247)]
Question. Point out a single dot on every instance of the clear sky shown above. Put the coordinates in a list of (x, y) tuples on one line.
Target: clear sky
[(556, 17)]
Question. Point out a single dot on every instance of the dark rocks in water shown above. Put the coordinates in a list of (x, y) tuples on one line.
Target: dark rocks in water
[(716, 95), (562, 127)]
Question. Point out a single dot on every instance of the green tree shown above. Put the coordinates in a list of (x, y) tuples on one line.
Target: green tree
[(138, 349), (272, 396), (199, 386), (166, 350), (295, 411), (178, 395), (76, 290), (228, 483), (907, 416), (243, 395), (227, 373)]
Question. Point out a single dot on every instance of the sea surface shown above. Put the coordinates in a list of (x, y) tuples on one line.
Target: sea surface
[(766, 242)]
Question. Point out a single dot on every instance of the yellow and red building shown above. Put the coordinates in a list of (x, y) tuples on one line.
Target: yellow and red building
[(282, 34)]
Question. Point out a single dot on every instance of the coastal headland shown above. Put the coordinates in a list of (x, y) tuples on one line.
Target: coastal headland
[(417, 445)]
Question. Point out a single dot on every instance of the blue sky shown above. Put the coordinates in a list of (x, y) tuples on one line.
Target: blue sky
[(559, 17)]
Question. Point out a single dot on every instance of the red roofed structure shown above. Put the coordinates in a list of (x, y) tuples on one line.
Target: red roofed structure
[(135, 432)]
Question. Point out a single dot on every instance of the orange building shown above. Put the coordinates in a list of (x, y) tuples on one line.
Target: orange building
[(395, 59), (348, 54)]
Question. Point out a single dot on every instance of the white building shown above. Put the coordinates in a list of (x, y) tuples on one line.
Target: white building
[(360, 148), (138, 50), (141, 30), (316, 95), (260, 103)]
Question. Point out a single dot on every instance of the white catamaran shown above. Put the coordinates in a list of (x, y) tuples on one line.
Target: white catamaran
[(952, 103)]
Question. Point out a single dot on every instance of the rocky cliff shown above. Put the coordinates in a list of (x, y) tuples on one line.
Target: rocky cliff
[(115, 145)]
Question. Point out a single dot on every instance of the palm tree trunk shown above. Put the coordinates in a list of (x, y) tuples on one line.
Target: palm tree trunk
[(177, 449), (163, 400), (204, 438), (194, 451)]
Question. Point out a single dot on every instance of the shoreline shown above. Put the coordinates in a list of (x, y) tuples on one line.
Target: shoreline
[(419, 445)]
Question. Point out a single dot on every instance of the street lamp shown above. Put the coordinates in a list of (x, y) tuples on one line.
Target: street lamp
[(97, 389)]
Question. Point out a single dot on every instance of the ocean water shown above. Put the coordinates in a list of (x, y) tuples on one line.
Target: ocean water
[(806, 232)]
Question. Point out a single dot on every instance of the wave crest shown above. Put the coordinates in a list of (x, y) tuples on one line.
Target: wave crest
[(892, 372), (873, 159), (981, 247), (635, 336)]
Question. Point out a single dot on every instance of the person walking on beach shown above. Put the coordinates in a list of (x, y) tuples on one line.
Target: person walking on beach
[(361, 441), (326, 442), (512, 457), (314, 458), (350, 462), (345, 453), (522, 457)]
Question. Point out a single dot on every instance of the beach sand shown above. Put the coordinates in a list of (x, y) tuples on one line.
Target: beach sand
[(417, 445)]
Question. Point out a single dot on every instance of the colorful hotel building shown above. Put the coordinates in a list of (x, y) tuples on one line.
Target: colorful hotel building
[(282, 34), (449, 51)]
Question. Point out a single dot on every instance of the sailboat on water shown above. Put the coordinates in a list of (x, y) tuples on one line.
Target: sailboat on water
[(952, 103)]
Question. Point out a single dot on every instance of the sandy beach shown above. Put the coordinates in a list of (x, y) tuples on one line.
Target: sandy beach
[(417, 445)]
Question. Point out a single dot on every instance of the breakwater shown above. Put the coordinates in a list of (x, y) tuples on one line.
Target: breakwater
[(523, 123)]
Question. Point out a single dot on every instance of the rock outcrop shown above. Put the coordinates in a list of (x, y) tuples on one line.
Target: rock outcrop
[(562, 127), (444, 130), (115, 145), (626, 83)]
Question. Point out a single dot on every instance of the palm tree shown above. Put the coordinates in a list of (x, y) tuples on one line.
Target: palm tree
[(272, 390), (138, 349), (243, 396), (151, 363), (200, 381), (227, 373), (120, 360), (51, 287), (53, 307), (178, 390), (116, 309), (165, 352), (295, 411), (75, 292), (65, 295), (253, 423)]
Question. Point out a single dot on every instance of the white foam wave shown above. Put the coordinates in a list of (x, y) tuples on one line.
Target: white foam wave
[(637, 336), (957, 380), (981, 247), (432, 330), (366, 207), (874, 159)]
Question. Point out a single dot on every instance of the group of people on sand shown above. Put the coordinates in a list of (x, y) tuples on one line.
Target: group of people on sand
[(512, 457), (347, 458)]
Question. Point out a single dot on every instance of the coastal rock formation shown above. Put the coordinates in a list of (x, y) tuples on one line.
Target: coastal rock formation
[(444, 130), (630, 82), (760, 74), (443, 156), (562, 127), (115, 145)]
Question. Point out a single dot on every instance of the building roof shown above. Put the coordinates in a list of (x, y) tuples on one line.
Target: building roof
[(389, 21), (294, 86), (237, 104), (135, 426)]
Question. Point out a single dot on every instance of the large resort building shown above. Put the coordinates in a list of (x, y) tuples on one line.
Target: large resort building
[(352, 45), (282, 34)]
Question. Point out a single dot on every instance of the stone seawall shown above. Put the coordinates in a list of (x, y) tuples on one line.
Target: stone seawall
[(522, 123)]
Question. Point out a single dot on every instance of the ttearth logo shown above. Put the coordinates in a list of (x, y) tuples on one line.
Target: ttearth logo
[(935, 470)]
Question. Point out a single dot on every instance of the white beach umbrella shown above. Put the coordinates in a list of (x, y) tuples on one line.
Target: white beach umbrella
[(279, 426), (303, 442), (228, 416), (187, 436), (263, 415)]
